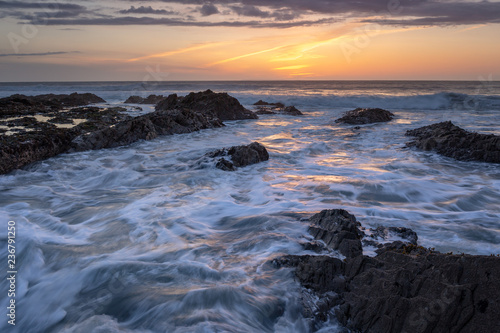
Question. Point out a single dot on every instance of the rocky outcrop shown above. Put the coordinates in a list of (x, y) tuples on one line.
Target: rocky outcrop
[(17, 105), (365, 116), (276, 108), (452, 141), (146, 127), (405, 288), (239, 156), (339, 230), (151, 99), (103, 128), (220, 105)]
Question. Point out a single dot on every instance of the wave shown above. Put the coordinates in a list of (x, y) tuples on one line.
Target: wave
[(438, 101)]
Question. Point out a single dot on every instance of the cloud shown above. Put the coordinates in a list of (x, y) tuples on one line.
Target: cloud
[(208, 9), (129, 20), (39, 5), (396, 12), (264, 13), (252, 11), (43, 54), (146, 10)]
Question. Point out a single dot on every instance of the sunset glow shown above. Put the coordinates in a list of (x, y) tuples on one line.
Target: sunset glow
[(241, 40)]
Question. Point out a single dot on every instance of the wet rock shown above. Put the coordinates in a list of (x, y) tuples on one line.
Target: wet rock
[(276, 108), (145, 127), (220, 105), (292, 110), (384, 233), (103, 128), (405, 288), (361, 116), (240, 156), (17, 105), (452, 141), (151, 99), (339, 230)]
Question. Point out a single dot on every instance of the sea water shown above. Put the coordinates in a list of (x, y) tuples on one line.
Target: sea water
[(146, 238)]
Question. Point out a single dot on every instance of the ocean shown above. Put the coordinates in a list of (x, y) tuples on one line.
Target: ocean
[(143, 238)]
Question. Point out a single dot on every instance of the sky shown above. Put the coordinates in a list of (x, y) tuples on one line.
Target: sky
[(130, 40)]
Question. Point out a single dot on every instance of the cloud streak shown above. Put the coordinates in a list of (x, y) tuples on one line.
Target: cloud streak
[(41, 54)]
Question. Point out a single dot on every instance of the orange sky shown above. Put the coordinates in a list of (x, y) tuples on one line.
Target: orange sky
[(348, 49)]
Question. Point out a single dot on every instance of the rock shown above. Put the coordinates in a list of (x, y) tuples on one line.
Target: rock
[(17, 105), (276, 108), (292, 110), (151, 99), (134, 100), (339, 230), (405, 288), (240, 156), (261, 102), (104, 128), (145, 127), (365, 116), (452, 141), (221, 105)]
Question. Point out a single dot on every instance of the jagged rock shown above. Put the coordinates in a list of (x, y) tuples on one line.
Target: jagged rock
[(17, 105), (339, 230), (365, 116), (221, 105), (104, 128), (151, 99), (452, 141), (405, 288), (145, 127), (240, 156)]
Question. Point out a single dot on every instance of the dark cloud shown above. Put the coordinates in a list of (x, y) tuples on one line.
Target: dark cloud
[(421, 12), (39, 5), (252, 11), (265, 13), (129, 20), (146, 10), (209, 9), (35, 54)]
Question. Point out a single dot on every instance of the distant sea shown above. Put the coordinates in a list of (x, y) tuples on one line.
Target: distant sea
[(145, 238)]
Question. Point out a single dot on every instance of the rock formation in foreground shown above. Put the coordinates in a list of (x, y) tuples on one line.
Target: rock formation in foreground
[(365, 116), (221, 105), (239, 156), (18, 105), (405, 288), (452, 141), (151, 99), (31, 140)]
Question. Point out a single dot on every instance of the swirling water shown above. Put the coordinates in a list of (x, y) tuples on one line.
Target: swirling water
[(149, 238)]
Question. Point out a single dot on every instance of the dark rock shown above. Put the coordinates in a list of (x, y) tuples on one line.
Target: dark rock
[(339, 230), (405, 288), (261, 102), (104, 128), (151, 99), (276, 108), (365, 116), (220, 105), (452, 141), (240, 156), (145, 127), (292, 110), (17, 105), (134, 100)]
